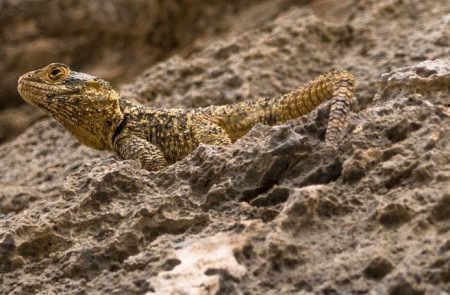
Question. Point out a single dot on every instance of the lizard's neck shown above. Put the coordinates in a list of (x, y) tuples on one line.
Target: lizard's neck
[(93, 121)]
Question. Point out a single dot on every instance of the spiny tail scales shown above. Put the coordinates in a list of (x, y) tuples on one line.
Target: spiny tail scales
[(237, 119)]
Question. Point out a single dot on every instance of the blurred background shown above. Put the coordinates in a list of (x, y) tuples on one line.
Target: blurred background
[(114, 39)]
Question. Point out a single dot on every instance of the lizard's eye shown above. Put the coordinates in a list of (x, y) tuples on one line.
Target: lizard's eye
[(56, 73)]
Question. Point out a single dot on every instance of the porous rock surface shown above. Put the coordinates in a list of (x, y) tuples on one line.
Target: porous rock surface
[(273, 213)]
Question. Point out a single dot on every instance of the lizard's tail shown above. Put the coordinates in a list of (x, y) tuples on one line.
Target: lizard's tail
[(239, 118)]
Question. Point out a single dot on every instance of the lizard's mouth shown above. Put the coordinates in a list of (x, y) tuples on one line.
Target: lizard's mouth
[(29, 94), (35, 92)]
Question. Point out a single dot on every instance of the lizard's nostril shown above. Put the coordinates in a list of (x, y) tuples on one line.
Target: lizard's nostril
[(25, 76)]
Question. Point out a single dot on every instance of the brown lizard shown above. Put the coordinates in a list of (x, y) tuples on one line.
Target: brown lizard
[(96, 115)]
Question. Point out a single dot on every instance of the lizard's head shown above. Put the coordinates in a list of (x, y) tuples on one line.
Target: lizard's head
[(85, 105)]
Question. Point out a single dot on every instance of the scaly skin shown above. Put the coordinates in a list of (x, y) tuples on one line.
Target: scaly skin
[(94, 113)]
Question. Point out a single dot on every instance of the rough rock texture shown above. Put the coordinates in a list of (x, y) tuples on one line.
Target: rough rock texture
[(275, 212)]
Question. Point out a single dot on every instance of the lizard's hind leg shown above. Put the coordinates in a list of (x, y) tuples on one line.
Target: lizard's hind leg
[(210, 133)]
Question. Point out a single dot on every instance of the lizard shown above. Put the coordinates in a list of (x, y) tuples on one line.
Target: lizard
[(95, 114)]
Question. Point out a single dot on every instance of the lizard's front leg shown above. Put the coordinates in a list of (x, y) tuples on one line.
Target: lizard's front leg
[(132, 147)]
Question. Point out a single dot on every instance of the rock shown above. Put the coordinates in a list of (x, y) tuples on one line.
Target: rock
[(14, 121), (274, 212), (441, 210), (395, 215), (378, 268), (205, 266)]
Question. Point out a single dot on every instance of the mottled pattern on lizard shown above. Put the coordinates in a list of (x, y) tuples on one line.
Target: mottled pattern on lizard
[(96, 115)]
